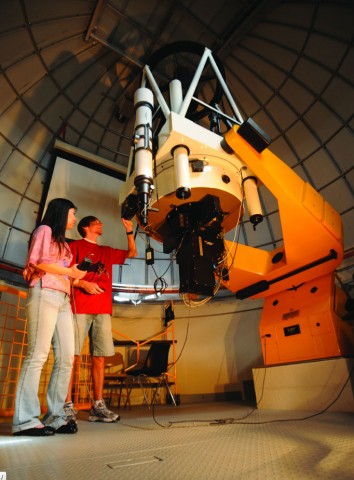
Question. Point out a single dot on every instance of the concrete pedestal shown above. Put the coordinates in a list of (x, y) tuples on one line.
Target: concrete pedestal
[(307, 386)]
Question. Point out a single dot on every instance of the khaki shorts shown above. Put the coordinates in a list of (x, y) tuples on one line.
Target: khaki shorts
[(99, 328)]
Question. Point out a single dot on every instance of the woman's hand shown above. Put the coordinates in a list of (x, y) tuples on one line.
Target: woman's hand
[(32, 271), (76, 273)]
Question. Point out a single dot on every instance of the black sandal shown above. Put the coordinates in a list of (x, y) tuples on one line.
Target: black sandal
[(36, 432), (70, 427)]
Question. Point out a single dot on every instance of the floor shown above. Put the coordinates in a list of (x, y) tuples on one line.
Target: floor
[(218, 441)]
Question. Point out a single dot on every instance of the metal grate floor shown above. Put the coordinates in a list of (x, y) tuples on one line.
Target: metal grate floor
[(218, 441)]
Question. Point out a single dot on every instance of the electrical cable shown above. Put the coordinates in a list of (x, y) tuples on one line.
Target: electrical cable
[(235, 421), (237, 233), (162, 288), (169, 367), (76, 326), (265, 370), (238, 421), (232, 420)]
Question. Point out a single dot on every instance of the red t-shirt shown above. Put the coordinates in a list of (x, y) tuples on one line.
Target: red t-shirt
[(99, 272)]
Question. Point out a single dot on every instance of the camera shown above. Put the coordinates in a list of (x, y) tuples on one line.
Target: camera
[(85, 264)]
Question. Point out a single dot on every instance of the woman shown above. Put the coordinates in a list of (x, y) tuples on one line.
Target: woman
[(49, 322)]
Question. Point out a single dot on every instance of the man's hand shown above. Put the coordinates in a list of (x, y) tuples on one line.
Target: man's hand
[(128, 224), (91, 287)]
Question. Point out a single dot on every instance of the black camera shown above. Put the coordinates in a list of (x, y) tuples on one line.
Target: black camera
[(129, 207), (85, 264)]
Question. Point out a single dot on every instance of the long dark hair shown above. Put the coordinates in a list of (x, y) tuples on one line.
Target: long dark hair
[(56, 217)]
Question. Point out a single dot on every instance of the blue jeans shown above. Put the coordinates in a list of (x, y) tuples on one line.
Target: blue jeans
[(49, 322)]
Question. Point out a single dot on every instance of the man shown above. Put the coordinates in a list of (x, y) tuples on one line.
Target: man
[(92, 307)]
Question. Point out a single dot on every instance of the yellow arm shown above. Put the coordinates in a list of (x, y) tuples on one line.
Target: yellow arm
[(311, 228)]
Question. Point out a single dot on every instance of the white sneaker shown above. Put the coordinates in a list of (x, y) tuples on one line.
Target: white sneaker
[(100, 413), (70, 411)]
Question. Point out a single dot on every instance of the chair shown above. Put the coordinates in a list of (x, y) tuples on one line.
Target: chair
[(115, 377), (152, 373)]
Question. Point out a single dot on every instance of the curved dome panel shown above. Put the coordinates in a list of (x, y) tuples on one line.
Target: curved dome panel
[(69, 70)]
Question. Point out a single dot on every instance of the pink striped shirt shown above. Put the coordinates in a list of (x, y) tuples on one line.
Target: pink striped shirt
[(44, 250)]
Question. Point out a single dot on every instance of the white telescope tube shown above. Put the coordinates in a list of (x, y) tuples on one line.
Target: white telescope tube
[(252, 199), (182, 175), (143, 103), (176, 95)]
